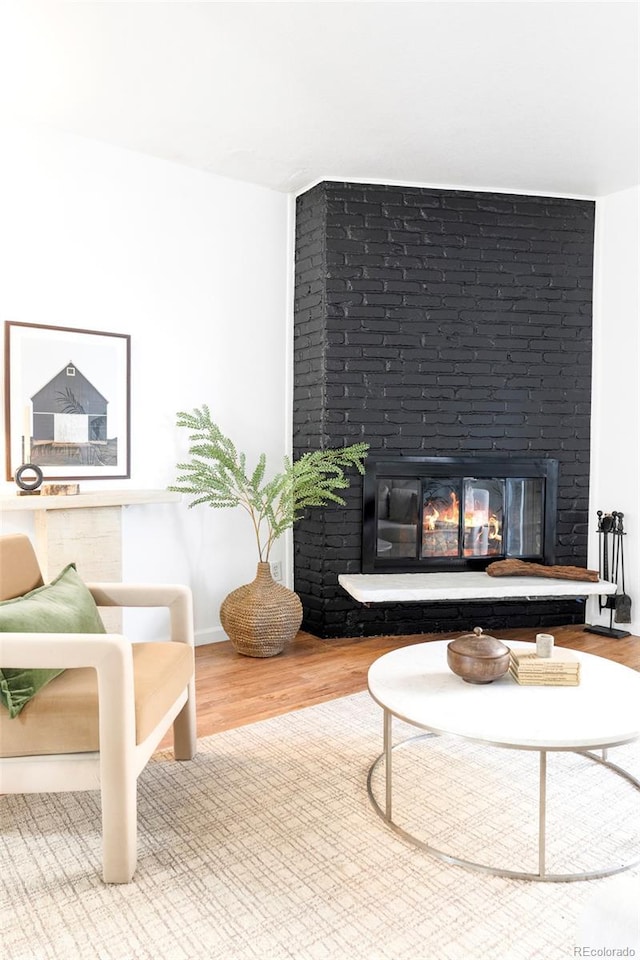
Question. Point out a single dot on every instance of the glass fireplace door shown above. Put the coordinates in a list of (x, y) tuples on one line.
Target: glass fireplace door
[(483, 517), (457, 513), (525, 512), (441, 517)]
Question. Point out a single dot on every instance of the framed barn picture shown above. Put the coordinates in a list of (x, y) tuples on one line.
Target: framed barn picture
[(67, 401)]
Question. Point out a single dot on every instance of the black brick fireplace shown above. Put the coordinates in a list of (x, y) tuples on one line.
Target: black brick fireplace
[(435, 323)]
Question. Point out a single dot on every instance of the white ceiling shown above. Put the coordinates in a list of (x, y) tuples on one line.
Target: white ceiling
[(533, 96)]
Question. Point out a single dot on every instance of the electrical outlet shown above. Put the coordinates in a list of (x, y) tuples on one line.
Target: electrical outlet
[(276, 570)]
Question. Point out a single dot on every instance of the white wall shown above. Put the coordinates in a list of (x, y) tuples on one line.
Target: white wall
[(615, 450), (193, 266)]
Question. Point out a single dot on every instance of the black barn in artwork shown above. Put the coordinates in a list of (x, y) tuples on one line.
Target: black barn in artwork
[(69, 410)]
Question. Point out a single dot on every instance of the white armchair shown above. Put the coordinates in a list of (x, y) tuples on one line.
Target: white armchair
[(95, 726)]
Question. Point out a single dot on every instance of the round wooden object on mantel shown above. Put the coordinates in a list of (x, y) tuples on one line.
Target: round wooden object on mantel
[(261, 617)]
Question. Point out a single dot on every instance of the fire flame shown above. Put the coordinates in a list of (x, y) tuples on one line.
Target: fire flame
[(450, 515)]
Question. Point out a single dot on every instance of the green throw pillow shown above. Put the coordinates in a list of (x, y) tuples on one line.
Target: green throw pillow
[(63, 606)]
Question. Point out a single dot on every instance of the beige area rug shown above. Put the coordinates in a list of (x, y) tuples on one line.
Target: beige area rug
[(266, 847)]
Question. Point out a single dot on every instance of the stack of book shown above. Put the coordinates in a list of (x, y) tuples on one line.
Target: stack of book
[(561, 669)]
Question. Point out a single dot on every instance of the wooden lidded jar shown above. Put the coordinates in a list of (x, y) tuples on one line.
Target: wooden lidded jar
[(477, 657)]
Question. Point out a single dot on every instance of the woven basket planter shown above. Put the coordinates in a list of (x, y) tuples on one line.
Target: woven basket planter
[(261, 617)]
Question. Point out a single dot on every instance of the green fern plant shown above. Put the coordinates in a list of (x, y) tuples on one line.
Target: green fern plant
[(217, 475)]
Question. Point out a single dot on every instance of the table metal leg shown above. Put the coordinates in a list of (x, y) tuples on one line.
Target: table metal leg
[(542, 811), (388, 753)]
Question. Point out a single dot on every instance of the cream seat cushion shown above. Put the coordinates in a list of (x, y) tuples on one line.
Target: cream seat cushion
[(63, 717)]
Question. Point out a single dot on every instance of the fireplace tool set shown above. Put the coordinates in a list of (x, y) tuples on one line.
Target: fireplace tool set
[(611, 535)]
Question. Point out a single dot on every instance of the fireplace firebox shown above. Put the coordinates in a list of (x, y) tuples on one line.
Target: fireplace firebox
[(425, 514)]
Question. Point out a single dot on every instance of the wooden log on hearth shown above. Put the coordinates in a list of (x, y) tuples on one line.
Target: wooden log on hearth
[(521, 568)]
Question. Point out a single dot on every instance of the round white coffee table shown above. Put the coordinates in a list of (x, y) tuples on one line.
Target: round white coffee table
[(415, 685)]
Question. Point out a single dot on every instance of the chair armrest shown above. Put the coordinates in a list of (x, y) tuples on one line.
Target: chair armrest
[(176, 597), (63, 650), (110, 655)]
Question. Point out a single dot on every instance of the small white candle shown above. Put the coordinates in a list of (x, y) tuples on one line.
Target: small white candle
[(544, 645)]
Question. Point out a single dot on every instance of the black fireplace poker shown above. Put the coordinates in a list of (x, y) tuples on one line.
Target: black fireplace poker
[(611, 567)]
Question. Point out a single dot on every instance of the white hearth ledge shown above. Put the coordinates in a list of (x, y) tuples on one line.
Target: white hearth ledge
[(466, 585)]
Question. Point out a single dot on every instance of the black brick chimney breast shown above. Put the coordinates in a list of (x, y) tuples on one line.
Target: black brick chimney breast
[(435, 322)]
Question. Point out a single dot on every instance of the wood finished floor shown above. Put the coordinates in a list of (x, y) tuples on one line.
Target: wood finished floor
[(232, 690)]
